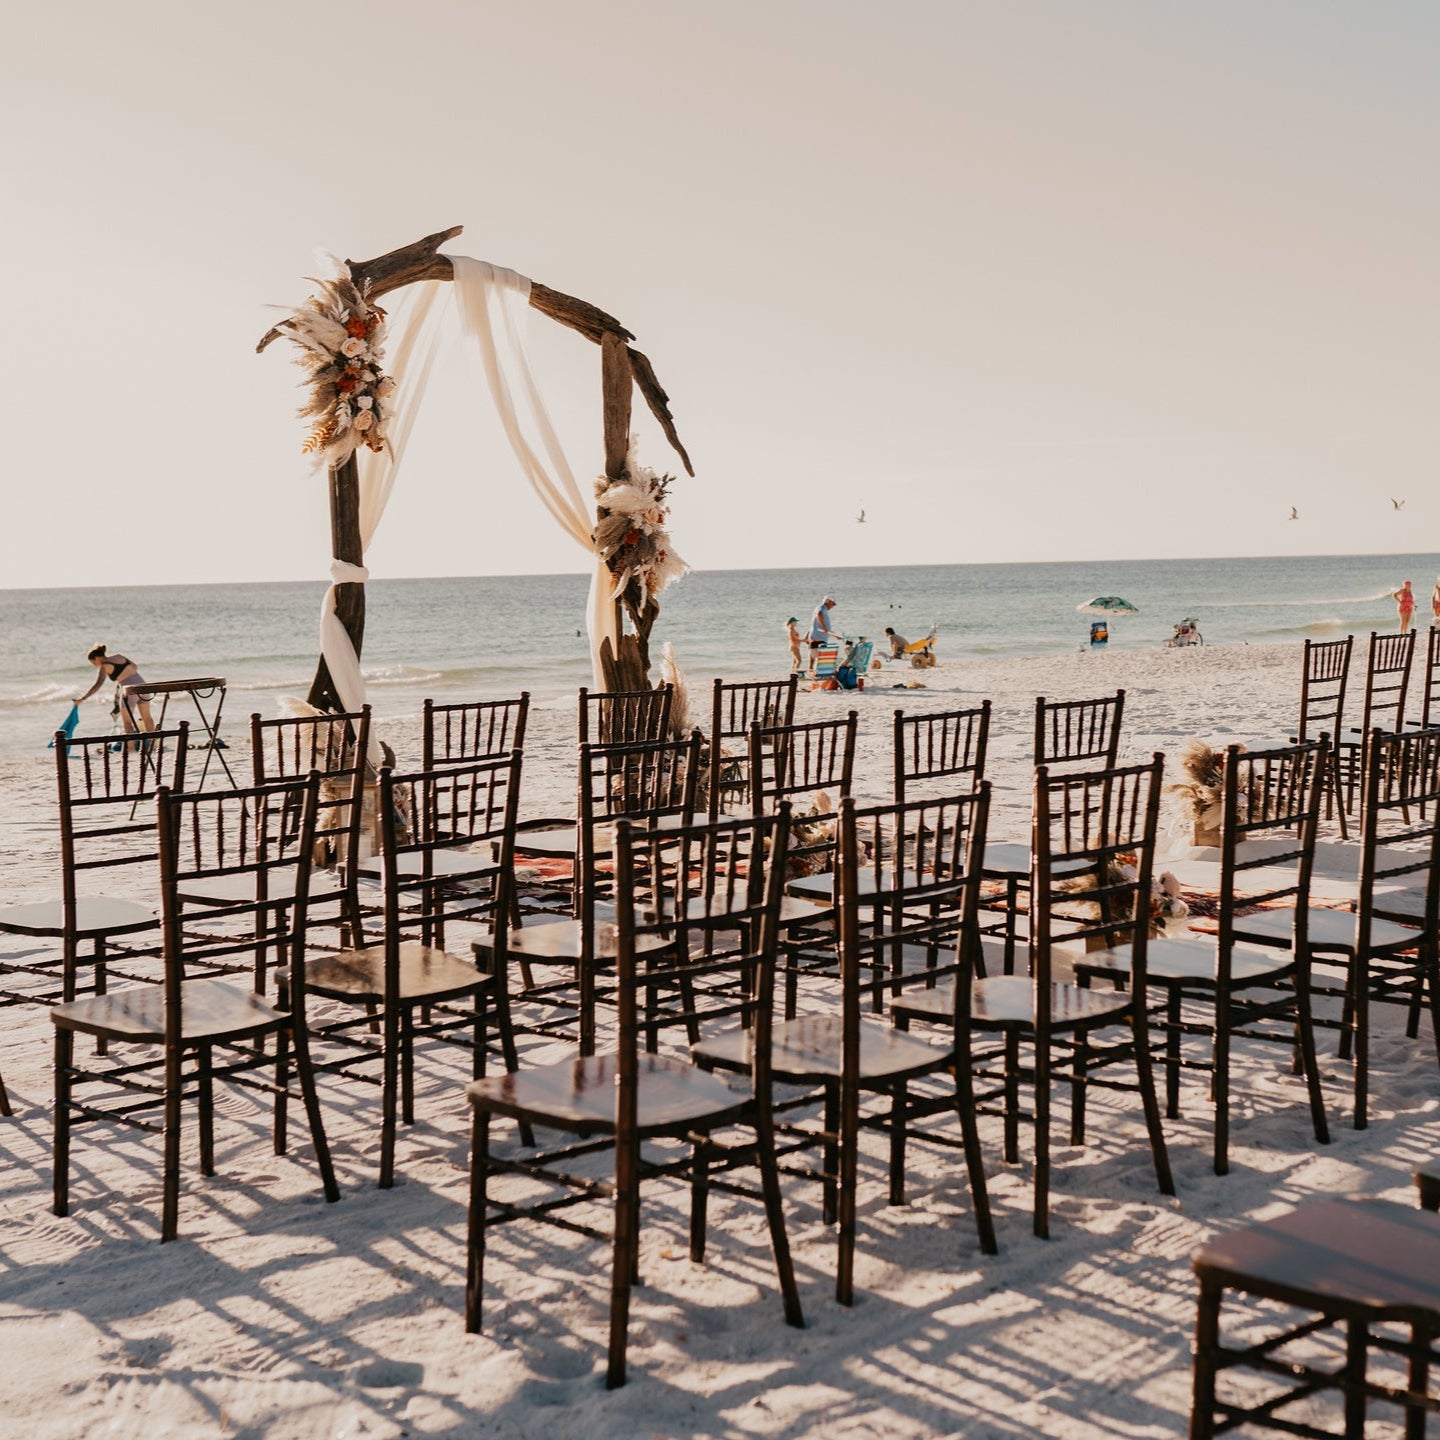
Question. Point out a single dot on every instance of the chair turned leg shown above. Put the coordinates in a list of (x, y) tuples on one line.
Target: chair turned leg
[(475, 1220), (205, 1107), (1172, 1052), (1417, 1379), (1207, 1340), (305, 1073), (699, 1197), (101, 978), (1012, 1098), (1220, 1083), (1042, 1141), (829, 1207), (1309, 1058), (775, 1214), (849, 1179), (899, 1110), (282, 1091), (64, 1055), (170, 1205), (4, 1098), (389, 1094), (1078, 1089), (624, 1258), (974, 1157), (1352, 1377), (1149, 1099)]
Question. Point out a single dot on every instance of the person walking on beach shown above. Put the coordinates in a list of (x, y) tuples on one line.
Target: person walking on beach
[(130, 699), (820, 630), (1404, 599), (792, 634)]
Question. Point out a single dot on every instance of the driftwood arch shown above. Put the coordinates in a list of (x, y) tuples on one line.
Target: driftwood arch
[(623, 369)]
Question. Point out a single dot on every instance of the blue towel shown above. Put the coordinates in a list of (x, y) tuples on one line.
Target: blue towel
[(68, 728)]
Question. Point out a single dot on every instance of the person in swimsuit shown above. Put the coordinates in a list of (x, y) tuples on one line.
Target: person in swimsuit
[(1404, 599), (792, 634), (1435, 602), (130, 697), (898, 643)]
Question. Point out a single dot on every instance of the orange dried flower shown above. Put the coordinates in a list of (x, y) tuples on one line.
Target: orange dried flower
[(355, 326)]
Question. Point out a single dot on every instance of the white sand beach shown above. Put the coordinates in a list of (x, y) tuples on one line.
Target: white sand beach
[(278, 1317)]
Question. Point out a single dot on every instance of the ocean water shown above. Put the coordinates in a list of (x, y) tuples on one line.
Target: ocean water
[(488, 636)]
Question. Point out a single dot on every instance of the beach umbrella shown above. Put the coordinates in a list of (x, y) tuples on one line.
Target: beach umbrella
[(1108, 605)]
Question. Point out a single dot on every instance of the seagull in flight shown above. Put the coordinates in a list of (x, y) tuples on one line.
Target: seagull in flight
[(1398, 504), (860, 520), (1294, 513)]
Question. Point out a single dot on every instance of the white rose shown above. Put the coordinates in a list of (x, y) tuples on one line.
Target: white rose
[(385, 387), (352, 347), (363, 421), (364, 402)]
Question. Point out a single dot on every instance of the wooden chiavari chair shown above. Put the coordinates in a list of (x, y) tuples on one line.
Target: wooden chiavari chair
[(1090, 885), (472, 730), (1324, 679), (734, 709), (1270, 796), (108, 838), (696, 912), (1387, 684), (207, 1028), (940, 749), (1069, 735)]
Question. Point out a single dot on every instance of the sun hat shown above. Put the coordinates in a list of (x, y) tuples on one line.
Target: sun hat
[(793, 620)]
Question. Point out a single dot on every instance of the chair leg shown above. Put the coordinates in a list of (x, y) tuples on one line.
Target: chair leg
[(64, 1058), (1207, 1340), (899, 1113), (829, 1208), (1149, 1100), (1360, 968), (699, 1197), (170, 1207), (974, 1158), (305, 1073), (1417, 1379), (100, 980), (775, 1215), (407, 1064), (1220, 1082), (475, 1224), (1357, 1345), (1012, 1098), (205, 1106), (4, 1098), (282, 1089), (1078, 1088), (625, 1256), (1042, 1140), (389, 1093), (849, 1179), (1172, 1052), (1310, 1061)]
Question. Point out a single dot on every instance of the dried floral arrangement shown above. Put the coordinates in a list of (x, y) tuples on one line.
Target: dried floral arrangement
[(340, 336), (1165, 901), (815, 826), (1203, 784), (630, 535)]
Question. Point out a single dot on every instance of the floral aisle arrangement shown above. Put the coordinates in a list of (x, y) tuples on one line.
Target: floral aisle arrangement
[(630, 534), (1165, 902), (341, 337), (1202, 788)]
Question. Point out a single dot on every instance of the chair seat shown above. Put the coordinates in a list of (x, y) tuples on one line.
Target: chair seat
[(240, 888), (548, 937), (425, 974), (1335, 1256), (1009, 1000), (442, 862), (94, 914), (209, 1010), (1198, 960), (1010, 859), (562, 839), (1405, 904), (810, 1049), (1328, 930), (580, 1094)]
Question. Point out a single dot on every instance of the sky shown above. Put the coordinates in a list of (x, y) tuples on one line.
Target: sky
[(1024, 281)]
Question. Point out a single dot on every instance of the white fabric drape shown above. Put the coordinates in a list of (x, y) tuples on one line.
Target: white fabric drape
[(415, 337), (494, 306)]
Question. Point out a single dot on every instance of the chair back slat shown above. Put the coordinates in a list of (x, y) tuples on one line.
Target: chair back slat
[(940, 747), (1079, 732), (624, 717), (1093, 851), (735, 707), (472, 730), (909, 894), (104, 789), (711, 892), (1324, 677), (1387, 681), (264, 835)]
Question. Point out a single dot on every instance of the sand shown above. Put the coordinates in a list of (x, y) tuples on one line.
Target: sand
[(276, 1315)]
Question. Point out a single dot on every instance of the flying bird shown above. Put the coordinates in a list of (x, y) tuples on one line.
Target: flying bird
[(860, 519), (1398, 504), (1294, 513)]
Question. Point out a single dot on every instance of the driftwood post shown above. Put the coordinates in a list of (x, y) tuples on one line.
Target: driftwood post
[(621, 367)]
